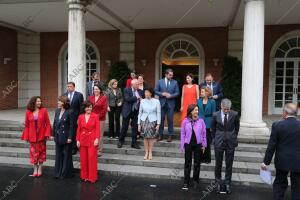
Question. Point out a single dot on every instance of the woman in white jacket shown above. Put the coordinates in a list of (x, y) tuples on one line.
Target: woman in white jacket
[(149, 121)]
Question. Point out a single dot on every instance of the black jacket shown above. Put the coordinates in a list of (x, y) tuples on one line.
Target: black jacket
[(63, 128), (285, 142), (129, 101), (218, 130), (76, 103)]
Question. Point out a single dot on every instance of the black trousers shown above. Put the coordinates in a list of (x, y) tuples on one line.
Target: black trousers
[(229, 156), (189, 150), (281, 183), (74, 143), (63, 161), (206, 158), (134, 127), (114, 119)]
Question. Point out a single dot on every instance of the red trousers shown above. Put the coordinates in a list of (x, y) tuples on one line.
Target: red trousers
[(37, 151), (88, 163)]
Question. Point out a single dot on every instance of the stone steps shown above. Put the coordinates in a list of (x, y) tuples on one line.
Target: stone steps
[(137, 160), (168, 161), (167, 152), (143, 171), (15, 131), (241, 138), (14, 137)]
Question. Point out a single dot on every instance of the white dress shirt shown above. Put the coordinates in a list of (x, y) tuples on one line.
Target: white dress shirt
[(71, 95), (223, 116)]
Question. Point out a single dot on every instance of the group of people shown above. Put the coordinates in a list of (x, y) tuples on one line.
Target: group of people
[(79, 124)]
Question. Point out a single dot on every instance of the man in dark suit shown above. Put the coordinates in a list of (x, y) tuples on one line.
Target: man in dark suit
[(285, 142), (76, 99), (167, 90), (90, 85), (130, 111), (215, 87), (225, 128)]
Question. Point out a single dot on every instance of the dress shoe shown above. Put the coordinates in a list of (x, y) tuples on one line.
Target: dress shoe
[(135, 146), (169, 139), (150, 156), (185, 186), (120, 144), (228, 189), (146, 156), (39, 175), (218, 190), (195, 185), (160, 138)]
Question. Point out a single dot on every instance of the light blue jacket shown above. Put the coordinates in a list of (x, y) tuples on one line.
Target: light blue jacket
[(149, 108)]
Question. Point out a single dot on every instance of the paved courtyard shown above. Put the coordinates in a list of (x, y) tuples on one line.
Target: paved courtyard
[(15, 184)]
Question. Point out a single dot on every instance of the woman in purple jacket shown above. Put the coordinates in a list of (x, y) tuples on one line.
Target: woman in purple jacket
[(193, 141)]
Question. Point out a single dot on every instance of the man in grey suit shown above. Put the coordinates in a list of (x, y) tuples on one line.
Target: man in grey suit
[(95, 81), (225, 128)]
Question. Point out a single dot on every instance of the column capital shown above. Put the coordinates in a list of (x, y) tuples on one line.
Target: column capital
[(246, 1), (80, 2)]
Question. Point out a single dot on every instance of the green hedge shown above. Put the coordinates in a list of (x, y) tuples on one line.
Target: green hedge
[(232, 81), (120, 71)]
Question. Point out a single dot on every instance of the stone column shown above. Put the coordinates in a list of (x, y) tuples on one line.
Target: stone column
[(253, 68), (76, 45)]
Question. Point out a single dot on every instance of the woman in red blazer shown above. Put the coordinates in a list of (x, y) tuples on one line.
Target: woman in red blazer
[(88, 136), (100, 107), (36, 131)]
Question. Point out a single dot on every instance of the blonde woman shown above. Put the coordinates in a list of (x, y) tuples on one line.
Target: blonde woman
[(207, 106), (115, 101)]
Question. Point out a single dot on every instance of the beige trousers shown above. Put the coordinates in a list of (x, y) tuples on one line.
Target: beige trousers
[(102, 126)]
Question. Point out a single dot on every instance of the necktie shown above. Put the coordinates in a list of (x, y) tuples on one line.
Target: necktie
[(93, 83), (168, 84), (225, 122), (71, 96)]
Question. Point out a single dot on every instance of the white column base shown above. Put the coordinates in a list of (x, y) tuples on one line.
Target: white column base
[(254, 129)]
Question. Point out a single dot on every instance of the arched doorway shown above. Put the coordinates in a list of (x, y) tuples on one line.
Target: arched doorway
[(92, 64), (184, 54), (285, 74)]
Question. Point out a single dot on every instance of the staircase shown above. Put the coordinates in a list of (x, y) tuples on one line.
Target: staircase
[(168, 162)]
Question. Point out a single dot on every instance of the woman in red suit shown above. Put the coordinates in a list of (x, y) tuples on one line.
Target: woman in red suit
[(88, 136), (36, 131), (100, 108)]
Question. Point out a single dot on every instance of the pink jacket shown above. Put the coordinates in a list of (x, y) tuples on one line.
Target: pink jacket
[(186, 132)]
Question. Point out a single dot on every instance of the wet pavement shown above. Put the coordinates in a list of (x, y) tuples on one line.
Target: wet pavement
[(15, 184)]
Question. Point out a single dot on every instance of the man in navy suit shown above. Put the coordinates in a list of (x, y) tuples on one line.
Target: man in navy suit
[(215, 87), (76, 99), (285, 142), (167, 89), (90, 85), (130, 111)]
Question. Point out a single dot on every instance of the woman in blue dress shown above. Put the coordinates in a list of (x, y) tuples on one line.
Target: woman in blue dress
[(207, 106)]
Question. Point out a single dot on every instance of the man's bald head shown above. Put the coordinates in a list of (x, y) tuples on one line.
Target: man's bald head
[(290, 109)]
